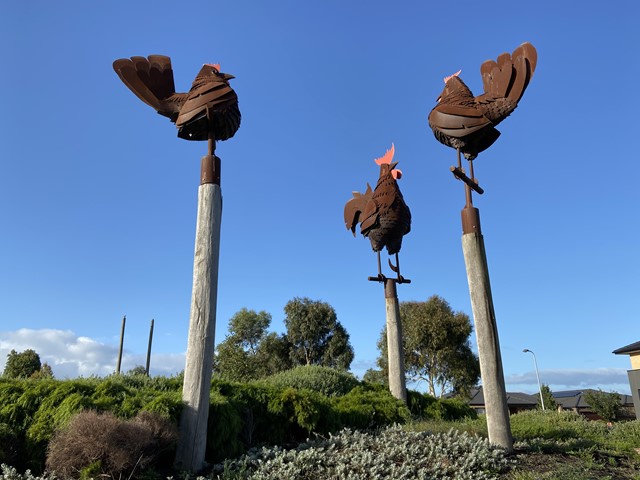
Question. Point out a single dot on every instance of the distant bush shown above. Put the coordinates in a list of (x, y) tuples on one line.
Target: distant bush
[(100, 443), (327, 381), (530, 424), (606, 405)]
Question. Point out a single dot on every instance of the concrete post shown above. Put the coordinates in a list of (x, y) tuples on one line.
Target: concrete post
[(192, 440), (493, 387), (397, 381)]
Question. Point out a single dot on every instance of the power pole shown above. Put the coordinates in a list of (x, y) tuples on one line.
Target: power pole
[(149, 348), (124, 321)]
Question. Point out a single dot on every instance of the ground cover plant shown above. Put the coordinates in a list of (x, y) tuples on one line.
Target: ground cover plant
[(391, 453)]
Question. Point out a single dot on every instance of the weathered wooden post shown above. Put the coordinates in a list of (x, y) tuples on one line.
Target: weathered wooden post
[(493, 386), (395, 350), (385, 218), (209, 111), (202, 322)]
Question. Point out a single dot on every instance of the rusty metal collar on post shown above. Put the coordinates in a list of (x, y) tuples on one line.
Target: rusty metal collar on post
[(470, 220), (210, 170)]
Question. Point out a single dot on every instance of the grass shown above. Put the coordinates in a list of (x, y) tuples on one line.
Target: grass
[(562, 446)]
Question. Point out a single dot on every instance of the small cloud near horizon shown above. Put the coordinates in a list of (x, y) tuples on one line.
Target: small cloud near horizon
[(72, 356)]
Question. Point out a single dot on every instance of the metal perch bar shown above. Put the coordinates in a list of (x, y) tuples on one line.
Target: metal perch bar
[(460, 175)]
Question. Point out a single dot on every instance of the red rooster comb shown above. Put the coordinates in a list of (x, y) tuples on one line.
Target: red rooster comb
[(386, 158), (214, 65), (446, 79)]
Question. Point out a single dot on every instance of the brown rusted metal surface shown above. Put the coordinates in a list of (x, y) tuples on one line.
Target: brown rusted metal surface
[(464, 122), (382, 213), (460, 175), (151, 80), (210, 170), (470, 220)]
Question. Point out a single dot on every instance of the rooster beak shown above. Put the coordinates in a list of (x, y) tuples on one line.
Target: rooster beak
[(393, 165), (227, 76)]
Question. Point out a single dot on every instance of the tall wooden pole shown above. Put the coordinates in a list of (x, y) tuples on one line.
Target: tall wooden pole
[(199, 363), (124, 321), (395, 353), (493, 387), (149, 348)]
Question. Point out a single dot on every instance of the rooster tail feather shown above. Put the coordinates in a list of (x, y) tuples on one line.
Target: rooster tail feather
[(151, 80), (525, 59), (509, 76)]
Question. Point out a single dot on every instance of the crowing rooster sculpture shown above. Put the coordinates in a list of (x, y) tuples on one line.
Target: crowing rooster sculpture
[(382, 213), (211, 106), (467, 123)]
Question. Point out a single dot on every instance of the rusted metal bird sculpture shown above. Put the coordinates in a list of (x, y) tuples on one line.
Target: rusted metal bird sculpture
[(383, 215), (467, 123), (208, 111)]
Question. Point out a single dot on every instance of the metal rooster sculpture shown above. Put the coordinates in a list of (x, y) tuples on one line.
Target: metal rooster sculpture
[(209, 111), (467, 123), (382, 213)]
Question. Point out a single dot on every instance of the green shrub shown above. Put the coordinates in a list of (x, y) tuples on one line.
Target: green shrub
[(370, 406), (166, 404), (225, 429), (450, 409), (9, 445), (419, 403), (327, 381), (625, 436)]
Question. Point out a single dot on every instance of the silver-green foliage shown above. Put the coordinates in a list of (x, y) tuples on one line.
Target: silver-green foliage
[(10, 473), (392, 453)]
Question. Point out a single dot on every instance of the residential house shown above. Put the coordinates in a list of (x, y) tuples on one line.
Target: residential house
[(633, 350)]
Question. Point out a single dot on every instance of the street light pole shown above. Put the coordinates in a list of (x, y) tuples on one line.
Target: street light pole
[(535, 363)]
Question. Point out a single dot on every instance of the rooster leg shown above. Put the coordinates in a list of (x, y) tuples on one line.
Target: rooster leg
[(459, 160), (380, 276), (212, 133)]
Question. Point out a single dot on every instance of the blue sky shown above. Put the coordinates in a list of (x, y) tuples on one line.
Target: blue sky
[(98, 195)]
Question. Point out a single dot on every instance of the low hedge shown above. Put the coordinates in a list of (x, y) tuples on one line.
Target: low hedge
[(278, 411)]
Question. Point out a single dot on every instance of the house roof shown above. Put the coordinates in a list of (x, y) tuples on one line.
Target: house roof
[(575, 398), (632, 348), (513, 398)]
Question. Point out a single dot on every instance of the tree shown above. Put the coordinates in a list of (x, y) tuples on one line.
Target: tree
[(44, 372), (373, 375), (436, 347), (137, 370), (549, 402), (606, 405), (22, 365), (248, 352), (315, 334)]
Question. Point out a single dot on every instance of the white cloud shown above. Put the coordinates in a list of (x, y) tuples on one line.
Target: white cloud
[(574, 379), (71, 356)]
